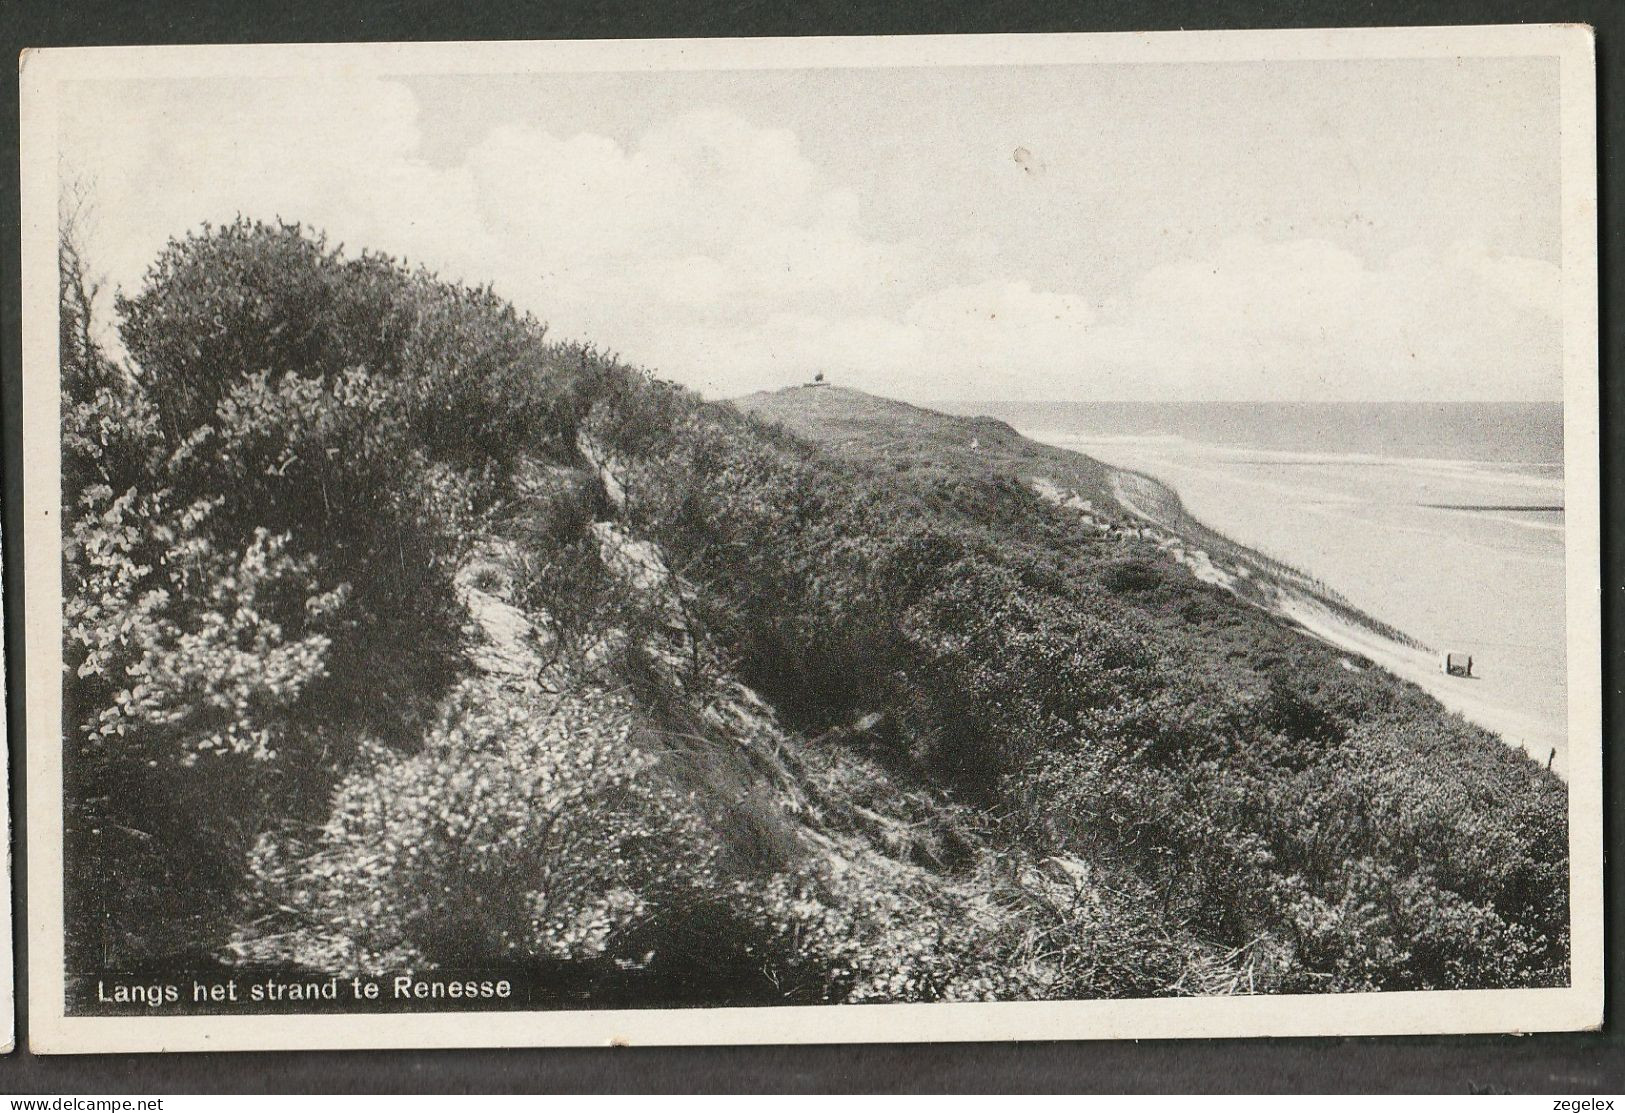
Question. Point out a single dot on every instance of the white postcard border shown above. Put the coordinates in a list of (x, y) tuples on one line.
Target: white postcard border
[(1578, 1006)]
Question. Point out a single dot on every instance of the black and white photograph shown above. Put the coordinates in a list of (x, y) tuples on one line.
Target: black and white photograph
[(1009, 537)]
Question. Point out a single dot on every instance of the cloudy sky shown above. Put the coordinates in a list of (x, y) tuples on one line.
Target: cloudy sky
[(1359, 230)]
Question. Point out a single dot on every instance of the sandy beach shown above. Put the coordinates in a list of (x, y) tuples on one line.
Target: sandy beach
[(1463, 556)]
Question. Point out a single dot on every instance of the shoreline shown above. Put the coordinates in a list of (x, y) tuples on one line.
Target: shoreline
[(1526, 732), (1320, 610)]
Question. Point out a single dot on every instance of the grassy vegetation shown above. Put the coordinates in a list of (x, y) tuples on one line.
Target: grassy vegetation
[(823, 704)]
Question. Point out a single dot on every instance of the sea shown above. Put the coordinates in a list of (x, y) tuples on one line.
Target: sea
[(1524, 433), (1445, 520)]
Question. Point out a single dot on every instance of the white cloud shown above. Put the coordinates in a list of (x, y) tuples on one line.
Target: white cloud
[(704, 215), (1308, 319), (717, 252), (1251, 319)]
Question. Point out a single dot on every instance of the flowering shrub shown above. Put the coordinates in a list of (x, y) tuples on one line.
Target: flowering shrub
[(525, 831), (186, 665), (264, 508)]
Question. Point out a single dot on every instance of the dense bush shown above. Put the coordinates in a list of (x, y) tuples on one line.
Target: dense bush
[(525, 832), (369, 412), (1112, 708), (264, 511), (857, 936)]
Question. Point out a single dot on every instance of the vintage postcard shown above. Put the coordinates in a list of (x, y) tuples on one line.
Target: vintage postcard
[(1011, 537)]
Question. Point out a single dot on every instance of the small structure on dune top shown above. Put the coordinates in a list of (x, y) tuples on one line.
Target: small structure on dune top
[(1458, 664), (818, 380)]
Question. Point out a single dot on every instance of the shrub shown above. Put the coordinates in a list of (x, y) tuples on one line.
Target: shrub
[(1105, 703), (524, 833), (186, 665), (867, 933), (263, 513)]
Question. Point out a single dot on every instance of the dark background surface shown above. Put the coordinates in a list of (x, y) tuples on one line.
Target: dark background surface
[(1571, 1065)]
